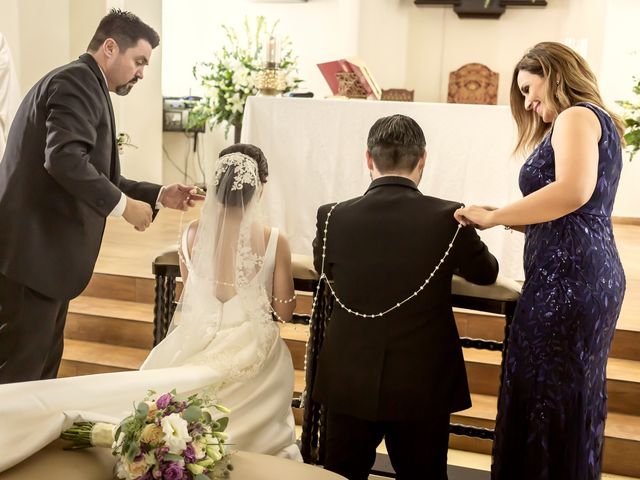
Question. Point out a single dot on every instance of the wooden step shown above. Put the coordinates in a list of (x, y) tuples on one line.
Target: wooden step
[(623, 379), (130, 324), (622, 435), (86, 358), (95, 357), (626, 343), (114, 322), (295, 336), (124, 287), (626, 340)]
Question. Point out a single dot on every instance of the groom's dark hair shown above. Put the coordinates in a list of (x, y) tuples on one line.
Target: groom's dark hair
[(396, 143)]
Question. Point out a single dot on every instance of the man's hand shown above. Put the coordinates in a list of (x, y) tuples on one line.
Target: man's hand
[(179, 197), (138, 214)]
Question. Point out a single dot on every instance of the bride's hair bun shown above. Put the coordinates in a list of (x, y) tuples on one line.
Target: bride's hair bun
[(225, 190), (253, 152)]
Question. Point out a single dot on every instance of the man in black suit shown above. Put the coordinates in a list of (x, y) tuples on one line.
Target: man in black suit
[(398, 371), (59, 180)]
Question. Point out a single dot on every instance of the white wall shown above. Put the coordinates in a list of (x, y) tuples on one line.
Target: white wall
[(10, 28), (38, 34), (412, 47), (621, 62), (404, 46), (139, 114), (440, 42), (44, 34), (321, 30)]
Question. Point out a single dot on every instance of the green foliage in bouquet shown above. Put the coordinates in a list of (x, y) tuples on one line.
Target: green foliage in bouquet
[(632, 121), (169, 437), (229, 79)]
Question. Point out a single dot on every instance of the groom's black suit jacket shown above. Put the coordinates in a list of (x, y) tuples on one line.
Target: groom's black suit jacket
[(380, 248), (59, 180)]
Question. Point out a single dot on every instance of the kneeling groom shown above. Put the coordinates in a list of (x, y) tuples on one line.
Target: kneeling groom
[(391, 365)]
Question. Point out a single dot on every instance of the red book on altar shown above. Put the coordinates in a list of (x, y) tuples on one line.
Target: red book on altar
[(350, 65)]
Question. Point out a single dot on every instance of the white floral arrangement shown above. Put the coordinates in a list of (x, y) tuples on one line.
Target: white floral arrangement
[(170, 437), (230, 78)]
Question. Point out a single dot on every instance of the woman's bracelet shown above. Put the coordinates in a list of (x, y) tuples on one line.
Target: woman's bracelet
[(279, 300)]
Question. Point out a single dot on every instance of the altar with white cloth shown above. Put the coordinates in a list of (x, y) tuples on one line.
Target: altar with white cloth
[(316, 154)]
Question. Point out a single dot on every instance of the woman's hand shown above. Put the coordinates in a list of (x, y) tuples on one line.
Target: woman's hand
[(480, 217)]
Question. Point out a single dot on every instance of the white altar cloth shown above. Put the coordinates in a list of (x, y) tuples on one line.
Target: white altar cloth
[(315, 149)]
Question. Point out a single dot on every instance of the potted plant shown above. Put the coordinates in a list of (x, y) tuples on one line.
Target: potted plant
[(632, 121), (229, 79)]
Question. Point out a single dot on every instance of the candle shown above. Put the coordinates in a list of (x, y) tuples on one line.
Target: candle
[(272, 59)]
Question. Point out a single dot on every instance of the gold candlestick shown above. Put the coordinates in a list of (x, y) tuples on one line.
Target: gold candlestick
[(271, 81)]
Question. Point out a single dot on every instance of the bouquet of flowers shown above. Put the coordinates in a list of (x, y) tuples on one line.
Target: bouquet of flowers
[(230, 78), (169, 438)]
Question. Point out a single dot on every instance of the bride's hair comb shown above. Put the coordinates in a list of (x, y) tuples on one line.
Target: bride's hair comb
[(236, 179)]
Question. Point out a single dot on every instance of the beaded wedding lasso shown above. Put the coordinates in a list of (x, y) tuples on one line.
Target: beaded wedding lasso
[(323, 276)]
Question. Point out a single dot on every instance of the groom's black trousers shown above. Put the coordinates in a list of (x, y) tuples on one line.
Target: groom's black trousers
[(417, 448), (31, 333)]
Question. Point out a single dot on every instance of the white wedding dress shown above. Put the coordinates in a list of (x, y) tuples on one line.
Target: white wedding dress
[(244, 362)]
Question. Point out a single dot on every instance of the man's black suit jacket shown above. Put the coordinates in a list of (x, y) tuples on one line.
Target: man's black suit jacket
[(59, 180), (380, 248)]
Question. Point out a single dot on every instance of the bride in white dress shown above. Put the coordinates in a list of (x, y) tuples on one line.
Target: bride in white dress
[(223, 338)]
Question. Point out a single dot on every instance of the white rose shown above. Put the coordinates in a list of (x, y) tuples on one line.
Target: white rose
[(136, 469), (175, 431), (153, 408), (122, 472)]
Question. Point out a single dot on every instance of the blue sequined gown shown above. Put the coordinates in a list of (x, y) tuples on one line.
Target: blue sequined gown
[(553, 403)]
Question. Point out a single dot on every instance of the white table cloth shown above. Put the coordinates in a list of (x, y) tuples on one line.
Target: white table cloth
[(316, 147)]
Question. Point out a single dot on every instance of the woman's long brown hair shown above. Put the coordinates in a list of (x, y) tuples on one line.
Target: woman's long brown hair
[(568, 80)]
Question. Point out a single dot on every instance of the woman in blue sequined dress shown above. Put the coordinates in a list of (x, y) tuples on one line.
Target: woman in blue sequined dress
[(553, 404)]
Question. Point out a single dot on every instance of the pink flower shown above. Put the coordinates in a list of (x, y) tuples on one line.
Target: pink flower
[(189, 454), (172, 471), (164, 401)]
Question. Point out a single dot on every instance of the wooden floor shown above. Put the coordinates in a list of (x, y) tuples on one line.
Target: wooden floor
[(127, 252)]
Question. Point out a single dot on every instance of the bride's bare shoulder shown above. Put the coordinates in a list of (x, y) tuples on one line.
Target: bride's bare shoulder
[(190, 232)]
